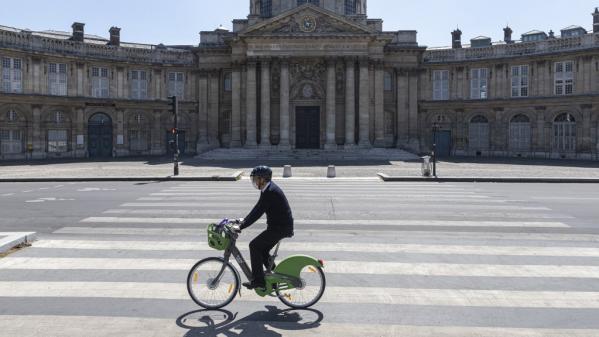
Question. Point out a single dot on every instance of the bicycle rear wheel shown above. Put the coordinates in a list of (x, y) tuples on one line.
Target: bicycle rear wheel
[(203, 288), (310, 291)]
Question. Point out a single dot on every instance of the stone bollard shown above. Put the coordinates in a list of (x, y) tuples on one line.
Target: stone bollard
[(287, 171), (331, 172)]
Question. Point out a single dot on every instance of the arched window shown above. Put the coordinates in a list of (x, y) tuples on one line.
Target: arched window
[(11, 134), (266, 8), (564, 133), (350, 7), (138, 133), (520, 133), (479, 133), (314, 2)]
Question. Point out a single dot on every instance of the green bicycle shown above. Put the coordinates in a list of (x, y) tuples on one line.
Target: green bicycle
[(298, 281)]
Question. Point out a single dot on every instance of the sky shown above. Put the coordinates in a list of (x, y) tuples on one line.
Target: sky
[(180, 21)]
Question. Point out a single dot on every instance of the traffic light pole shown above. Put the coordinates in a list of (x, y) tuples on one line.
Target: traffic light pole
[(174, 103)]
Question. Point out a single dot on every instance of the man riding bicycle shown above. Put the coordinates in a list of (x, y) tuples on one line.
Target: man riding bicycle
[(279, 222)]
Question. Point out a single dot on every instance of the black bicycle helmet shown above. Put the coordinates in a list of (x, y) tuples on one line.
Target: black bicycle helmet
[(262, 172)]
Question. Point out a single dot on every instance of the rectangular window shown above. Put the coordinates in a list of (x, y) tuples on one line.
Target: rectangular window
[(564, 78), (228, 86), (12, 75), (478, 83), (266, 8), (350, 7), (520, 81), (57, 79), (176, 84), (57, 141), (138, 140), (11, 141), (100, 86), (388, 81), (139, 84), (440, 85)]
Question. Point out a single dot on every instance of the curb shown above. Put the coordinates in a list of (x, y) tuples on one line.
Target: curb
[(14, 239), (529, 180), (235, 177)]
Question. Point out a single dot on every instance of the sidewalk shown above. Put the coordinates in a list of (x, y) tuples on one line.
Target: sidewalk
[(192, 168)]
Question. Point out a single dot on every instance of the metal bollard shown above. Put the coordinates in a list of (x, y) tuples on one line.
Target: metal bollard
[(331, 173), (287, 171)]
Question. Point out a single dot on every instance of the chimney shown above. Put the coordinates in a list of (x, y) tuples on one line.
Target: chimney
[(596, 21), (115, 36), (507, 35), (77, 31), (456, 37)]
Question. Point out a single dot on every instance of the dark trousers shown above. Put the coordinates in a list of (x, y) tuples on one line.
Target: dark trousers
[(259, 251)]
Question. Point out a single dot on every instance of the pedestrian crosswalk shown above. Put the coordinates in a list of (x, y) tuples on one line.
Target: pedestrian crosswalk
[(408, 259)]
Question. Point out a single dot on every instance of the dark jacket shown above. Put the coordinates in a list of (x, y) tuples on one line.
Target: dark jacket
[(278, 213)]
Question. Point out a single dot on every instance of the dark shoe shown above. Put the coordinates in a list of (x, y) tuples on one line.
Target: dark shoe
[(253, 285)]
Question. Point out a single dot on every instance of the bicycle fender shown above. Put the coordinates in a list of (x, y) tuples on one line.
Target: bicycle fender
[(293, 265)]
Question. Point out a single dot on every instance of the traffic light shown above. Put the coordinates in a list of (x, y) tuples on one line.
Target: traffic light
[(173, 104), (174, 131)]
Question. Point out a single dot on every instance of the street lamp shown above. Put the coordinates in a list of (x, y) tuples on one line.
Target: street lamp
[(434, 152)]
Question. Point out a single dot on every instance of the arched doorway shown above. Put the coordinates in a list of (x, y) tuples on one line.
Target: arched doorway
[(99, 131)]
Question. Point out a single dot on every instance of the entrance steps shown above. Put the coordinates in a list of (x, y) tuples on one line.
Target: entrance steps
[(330, 155)]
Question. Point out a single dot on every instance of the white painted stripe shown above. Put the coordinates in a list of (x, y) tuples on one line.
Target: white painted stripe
[(316, 197), (451, 205), (416, 235), (566, 198), (344, 194), (358, 222), (356, 247), (95, 326), (346, 295), (334, 267), (378, 214)]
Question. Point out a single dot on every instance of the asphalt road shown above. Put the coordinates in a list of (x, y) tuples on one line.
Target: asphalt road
[(402, 259)]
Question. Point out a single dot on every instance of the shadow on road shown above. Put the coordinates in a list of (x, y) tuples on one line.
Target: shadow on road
[(214, 323)]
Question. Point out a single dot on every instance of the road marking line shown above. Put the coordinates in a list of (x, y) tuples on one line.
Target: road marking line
[(345, 295), (339, 222), (332, 247), (297, 198), (333, 267)]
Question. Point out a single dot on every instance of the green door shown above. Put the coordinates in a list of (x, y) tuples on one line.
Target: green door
[(99, 131)]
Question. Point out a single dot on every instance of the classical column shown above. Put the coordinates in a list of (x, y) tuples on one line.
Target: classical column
[(265, 105), (157, 135), (350, 104), (330, 105), (379, 108), (284, 120), (202, 144), (213, 109), (38, 145), (251, 118), (413, 111), (402, 109), (364, 105), (236, 106)]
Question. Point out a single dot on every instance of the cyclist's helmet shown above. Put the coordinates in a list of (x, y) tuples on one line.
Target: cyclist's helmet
[(262, 172)]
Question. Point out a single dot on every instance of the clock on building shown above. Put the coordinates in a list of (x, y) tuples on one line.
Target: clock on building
[(308, 24)]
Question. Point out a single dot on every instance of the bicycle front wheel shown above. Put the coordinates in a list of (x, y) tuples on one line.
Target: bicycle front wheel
[(310, 291), (208, 292)]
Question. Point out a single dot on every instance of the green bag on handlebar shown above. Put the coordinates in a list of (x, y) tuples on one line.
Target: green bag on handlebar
[(216, 240)]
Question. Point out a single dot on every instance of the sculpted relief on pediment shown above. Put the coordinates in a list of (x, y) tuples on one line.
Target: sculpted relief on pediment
[(309, 22)]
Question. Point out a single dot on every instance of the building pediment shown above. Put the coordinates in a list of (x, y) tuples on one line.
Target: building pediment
[(307, 20)]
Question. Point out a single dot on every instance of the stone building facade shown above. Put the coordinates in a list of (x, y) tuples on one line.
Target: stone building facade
[(300, 74)]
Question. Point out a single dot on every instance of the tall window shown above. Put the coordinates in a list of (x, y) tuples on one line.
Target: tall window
[(57, 79), (176, 84), (228, 85), (564, 133), (100, 82), (266, 8), (350, 7), (314, 2), (520, 133), (440, 85), (564, 78), (11, 141), (12, 75), (479, 133), (57, 141), (478, 83), (520, 81), (139, 84), (388, 81), (138, 133)]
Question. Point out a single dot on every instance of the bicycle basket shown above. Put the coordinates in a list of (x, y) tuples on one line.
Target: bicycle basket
[(216, 240)]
